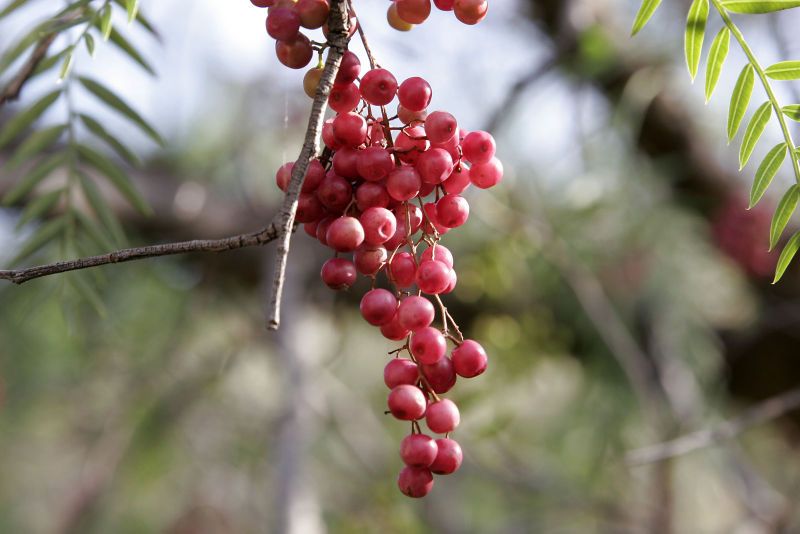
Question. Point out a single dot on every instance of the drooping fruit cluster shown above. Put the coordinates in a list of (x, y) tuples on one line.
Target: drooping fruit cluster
[(381, 196), (285, 18), (403, 15)]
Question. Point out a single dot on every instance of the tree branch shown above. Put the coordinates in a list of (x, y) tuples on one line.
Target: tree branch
[(261, 237), (339, 26), (768, 410)]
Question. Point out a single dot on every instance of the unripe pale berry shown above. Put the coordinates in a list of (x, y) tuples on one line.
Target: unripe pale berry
[(442, 416), (338, 273), (311, 81), (418, 450), (378, 306), (345, 234), (407, 403), (400, 371), (469, 359), (448, 457), (378, 87), (415, 313), (394, 20), (428, 345), (415, 482)]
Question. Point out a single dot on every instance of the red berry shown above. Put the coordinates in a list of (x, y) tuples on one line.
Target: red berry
[(407, 402), (403, 269), (371, 194), (428, 345), (478, 147), (414, 94), (432, 277), (448, 457), (350, 129), (439, 253), (452, 284), (452, 211), (322, 229), (344, 97), (345, 234), (432, 220), (410, 143), (311, 228), (295, 54), (379, 225), (441, 375), (415, 482), (283, 24), (263, 3), (440, 127), (409, 213), (378, 87), (442, 416), (415, 313), (370, 259), (434, 165), (444, 5), (394, 330), (395, 21), (309, 208), (378, 307), (334, 192), (469, 359), (399, 238), (374, 163), (345, 162), (349, 69), (403, 183), (470, 11), (400, 371), (407, 116), (458, 181), (327, 135), (313, 13), (314, 175), (338, 273), (418, 450), (413, 11), (486, 175)]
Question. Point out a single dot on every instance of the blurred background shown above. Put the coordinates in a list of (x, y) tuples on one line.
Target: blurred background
[(615, 277)]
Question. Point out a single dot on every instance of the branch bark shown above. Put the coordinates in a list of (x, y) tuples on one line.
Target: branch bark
[(339, 26)]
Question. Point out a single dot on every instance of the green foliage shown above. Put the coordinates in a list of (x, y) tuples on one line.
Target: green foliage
[(42, 151), (741, 96)]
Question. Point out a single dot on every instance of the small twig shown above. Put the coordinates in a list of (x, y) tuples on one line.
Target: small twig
[(261, 237), (14, 87), (760, 413), (338, 22)]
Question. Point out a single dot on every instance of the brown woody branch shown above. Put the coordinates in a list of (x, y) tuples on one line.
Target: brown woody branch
[(339, 26), (261, 237)]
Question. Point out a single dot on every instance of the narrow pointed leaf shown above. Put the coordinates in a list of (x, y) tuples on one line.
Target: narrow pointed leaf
[(14, 52), (695, 32), (66, 66), (89, 43), (11, 7), (102, 210), (758, 6), (646, 11), (34, 144), (766, 172), (752, 134), (105, 23), (787, 255), (41, 171), (112, 100), (39, 207), (120, 42), (785, 70), (143, 21), (716, 59), (740, 99), (43, 235), (783, 213), (97, 129), (19, 122), (133, 9), (793, 112), (116, 176)]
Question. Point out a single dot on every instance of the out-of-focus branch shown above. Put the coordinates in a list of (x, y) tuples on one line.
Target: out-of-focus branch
[(339, 26), (13, 89), (760, 413)]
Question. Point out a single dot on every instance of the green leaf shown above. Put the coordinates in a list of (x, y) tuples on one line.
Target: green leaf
[(105, 22), (19, 122), (28, 40), (41, 171), (787, 255), (89, 43), (97, 129), (740, 99), (758, 6), (766, 172), (753, 132), (43, 235), (112, 100), (785, 70), (793, 112), (101, 209), (49, 62), (646, 11), (34, 144), (716, 59), (133, 9), (87, 292), (39, 206), (11, 7), (93, 230), (116, 176), (126, 47), (783, 213), (66, 66), (695, 32)]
